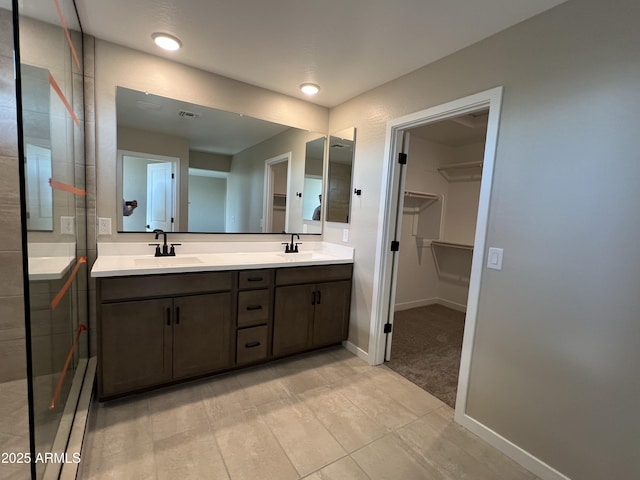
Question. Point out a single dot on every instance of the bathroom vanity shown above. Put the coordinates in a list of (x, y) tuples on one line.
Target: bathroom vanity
[(162, 321)]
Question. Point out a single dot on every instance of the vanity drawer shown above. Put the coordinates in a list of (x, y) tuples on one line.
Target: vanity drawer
[(255, 279), (252, 345), (122, 288), (322, 273), (253, 307)]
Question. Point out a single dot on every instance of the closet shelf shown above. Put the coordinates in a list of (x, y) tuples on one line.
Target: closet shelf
[(419, 199), (461, 246), (461, 172), (452, 260)]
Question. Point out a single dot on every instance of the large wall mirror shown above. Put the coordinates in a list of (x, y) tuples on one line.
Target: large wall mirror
[(341, 151), (188, 168)]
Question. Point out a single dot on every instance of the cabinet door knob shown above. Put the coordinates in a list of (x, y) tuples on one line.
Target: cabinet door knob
[(313, 298), (168, 316), (319, 297)]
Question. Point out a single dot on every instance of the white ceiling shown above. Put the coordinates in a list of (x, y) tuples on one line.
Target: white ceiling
[(345, 46)]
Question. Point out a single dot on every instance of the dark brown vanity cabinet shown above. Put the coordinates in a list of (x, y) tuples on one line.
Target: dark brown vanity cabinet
[(144, 342), (311, 307), (155, 330)]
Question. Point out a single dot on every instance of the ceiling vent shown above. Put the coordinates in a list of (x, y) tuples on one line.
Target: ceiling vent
[(186, 114)]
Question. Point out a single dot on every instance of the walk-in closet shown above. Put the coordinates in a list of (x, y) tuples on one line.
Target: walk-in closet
[(440, 206)]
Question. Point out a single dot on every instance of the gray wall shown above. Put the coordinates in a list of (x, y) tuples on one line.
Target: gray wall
[(557, 347)]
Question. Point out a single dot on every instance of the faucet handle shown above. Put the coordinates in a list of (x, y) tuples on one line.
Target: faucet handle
[(157, 245), (295, 248), (172, 252), (286, 247)]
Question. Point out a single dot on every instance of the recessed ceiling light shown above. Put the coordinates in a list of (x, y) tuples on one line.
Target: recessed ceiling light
[(309, 88), (166, 41)]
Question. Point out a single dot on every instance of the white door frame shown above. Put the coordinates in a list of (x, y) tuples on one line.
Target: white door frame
[(267, 203), (384, 274)]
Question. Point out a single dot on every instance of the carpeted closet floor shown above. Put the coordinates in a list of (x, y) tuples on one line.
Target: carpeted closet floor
[(426, 348)]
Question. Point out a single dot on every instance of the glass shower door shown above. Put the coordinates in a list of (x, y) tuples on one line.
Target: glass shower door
[(52, 96)]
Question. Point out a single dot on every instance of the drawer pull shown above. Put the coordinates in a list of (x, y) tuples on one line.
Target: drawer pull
[(254, 279), (168, 316), (251, 344), (254, 307), (177, 315), (313, 298), (319, 297)]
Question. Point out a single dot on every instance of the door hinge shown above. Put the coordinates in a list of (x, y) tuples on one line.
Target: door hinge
[(171, 219), (387, 328), (402, 158), (173, 176), (395, 245)]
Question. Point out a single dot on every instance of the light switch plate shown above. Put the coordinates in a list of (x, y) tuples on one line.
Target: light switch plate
[(104, 226), (494, 259)]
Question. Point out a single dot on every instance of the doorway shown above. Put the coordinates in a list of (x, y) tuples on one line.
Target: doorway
[(276, 185), (437, 215), (394, 183)]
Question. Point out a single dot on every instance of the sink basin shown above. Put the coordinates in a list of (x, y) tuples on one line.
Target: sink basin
[(166, 261), (293, 257)]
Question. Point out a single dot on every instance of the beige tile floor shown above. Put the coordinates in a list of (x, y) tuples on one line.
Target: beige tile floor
[(320, 416)]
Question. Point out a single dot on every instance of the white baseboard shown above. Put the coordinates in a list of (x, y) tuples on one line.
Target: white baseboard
[(452, 305), (430, 301), (415, 304), (524, 458), (357, 351)]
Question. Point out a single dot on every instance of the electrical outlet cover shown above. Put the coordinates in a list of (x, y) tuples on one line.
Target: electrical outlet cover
[(104, 226), (67, 225)]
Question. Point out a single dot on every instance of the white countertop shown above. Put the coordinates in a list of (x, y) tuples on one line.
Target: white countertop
[(121, 259), (50, 261)]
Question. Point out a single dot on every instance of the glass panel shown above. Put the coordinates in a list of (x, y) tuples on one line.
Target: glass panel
[(51, 79)]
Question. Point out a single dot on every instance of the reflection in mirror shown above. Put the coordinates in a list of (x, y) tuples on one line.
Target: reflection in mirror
[(222, 164), (37, 135), (341, 149), (148, 185), (312, 190)]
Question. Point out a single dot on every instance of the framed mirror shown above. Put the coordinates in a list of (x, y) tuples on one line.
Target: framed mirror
[(187, 168), (339, 185)]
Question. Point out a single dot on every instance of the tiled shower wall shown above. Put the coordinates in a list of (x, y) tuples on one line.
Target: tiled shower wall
[(12, 333)]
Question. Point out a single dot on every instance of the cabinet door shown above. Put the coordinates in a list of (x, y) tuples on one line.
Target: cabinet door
[(330, 321), (292, 319), (135, 345), (201, 334)]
